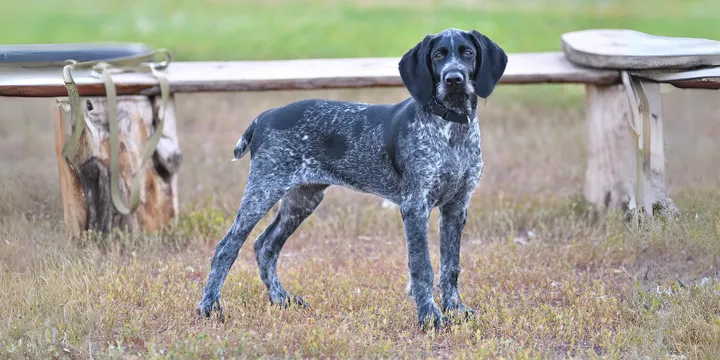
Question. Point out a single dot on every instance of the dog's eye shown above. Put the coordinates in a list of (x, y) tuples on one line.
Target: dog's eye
[(468, 53), (89, 105), (439, 55)]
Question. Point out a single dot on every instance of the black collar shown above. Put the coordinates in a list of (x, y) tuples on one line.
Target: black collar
[(447, 114)]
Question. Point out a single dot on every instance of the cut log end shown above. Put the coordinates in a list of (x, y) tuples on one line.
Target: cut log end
[(85, 181)]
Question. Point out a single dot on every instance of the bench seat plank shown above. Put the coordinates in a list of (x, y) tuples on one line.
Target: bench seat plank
[(524, 68), (704, 78), (56, 54), (634, 50)]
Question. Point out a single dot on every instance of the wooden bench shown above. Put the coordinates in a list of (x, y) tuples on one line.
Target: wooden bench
[(202, 76), (626, 165), (607, 101)]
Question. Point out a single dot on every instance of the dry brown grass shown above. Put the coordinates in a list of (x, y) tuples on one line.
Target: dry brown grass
[(548, 281)]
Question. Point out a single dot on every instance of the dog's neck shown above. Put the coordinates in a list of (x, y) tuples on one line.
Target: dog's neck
[(448, 114)]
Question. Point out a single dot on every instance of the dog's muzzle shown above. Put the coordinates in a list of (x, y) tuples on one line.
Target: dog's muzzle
[(454, 78)]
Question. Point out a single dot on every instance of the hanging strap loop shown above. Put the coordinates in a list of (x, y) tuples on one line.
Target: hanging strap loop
[(104, 69)]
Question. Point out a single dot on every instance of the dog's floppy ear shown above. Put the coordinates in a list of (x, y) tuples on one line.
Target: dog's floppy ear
[(491, 62), (415, 71)]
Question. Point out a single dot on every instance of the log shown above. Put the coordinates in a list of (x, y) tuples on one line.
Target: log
[(85, 179), (613, 156)]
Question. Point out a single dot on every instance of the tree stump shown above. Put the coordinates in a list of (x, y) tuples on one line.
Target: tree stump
[(610, 180), (85, 180)]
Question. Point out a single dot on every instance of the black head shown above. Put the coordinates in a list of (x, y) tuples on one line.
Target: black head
[(454, 67)]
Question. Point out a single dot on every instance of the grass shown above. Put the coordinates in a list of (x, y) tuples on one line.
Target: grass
[(576, 288), (245, 29), (547, 280)]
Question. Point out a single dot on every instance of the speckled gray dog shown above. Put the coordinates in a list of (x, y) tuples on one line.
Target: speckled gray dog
[(421, 153)]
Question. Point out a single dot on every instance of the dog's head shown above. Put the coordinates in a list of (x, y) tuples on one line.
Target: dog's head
[(454, 67)]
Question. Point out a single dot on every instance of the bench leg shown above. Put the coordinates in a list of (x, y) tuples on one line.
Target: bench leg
[(610, 180), (656, 197), (85, 181)]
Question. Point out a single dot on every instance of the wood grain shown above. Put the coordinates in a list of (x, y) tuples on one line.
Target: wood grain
[(609, 181), (56, 54), (525, 68), (71, 191), (633, 50), (704, 78), (611, 173), (85, 185), (656, 197)]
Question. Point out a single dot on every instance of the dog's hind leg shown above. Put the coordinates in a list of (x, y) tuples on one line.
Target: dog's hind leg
[(260, 195), (295, 207)]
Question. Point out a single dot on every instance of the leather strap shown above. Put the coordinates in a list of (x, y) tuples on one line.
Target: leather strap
[(104, 69)]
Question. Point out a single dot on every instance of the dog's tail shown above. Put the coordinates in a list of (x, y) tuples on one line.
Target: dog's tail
[(243, 144)]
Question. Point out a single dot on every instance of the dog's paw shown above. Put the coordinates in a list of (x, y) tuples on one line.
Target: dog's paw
[(430, 314), (207, 308), (286, 300), (461, 312), (457, 310)]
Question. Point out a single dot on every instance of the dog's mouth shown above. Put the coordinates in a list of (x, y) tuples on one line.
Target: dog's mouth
[(456, 97), (455, 88)]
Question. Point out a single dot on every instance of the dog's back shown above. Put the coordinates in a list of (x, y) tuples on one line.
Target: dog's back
[(328, 141)]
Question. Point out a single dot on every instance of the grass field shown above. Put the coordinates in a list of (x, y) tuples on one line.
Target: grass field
[(547, 280), (280, 29)]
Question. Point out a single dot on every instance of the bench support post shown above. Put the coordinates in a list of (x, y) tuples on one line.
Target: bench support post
[(85, 181), (657, 199), (613, 152)]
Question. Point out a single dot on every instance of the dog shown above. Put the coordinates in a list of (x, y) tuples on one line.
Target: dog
[(421, 153)]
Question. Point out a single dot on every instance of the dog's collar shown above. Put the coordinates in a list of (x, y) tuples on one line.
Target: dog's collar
[(447, 114)]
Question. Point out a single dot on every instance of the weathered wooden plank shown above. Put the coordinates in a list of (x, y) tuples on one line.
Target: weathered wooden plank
[(708, 84), (525, 68), (704, 78), (37, 55), (634, 50), (657, 198)]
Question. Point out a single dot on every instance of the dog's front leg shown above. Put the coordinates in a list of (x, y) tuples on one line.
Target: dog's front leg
[(415, 220), (452, 222)]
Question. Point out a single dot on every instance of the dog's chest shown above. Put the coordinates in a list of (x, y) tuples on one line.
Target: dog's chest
[(457, 162)]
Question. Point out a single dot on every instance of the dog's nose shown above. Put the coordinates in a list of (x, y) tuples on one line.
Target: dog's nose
[(454, 77)]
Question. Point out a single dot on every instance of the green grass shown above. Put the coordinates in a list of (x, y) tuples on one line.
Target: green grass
[(234, 30)]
